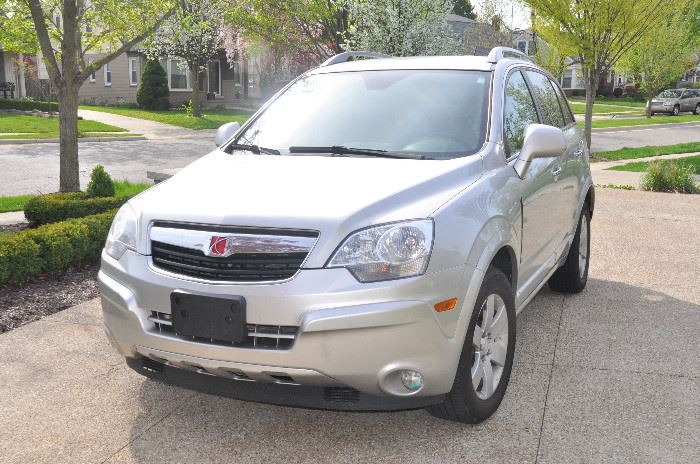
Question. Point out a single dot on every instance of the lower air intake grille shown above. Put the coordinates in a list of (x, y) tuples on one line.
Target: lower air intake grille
[(270, 337), (341, 395)]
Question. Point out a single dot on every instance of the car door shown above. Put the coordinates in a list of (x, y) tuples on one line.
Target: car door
[(685, 100), (538, 189), (563, 168)]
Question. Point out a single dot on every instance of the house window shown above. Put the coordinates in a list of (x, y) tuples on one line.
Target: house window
[(522, 46), (214, 72), (58, 22), (178, 75), (108, 74), (566, 80), (133, 71), (91, 77)]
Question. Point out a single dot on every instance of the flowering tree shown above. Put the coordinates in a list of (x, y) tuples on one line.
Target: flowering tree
[(192, 35), (403, 27)]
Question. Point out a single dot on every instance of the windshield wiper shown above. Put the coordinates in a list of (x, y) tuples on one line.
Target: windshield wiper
[(341, 150), (254, 149)]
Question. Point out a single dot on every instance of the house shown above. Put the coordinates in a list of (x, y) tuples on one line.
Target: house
[(224, 83), (12, 77)]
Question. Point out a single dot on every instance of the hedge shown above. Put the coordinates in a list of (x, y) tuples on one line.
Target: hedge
[(52, 247), (27, 105), (55, 207)]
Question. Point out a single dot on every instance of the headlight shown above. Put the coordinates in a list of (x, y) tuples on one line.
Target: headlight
[(390, 251), (122, 234)]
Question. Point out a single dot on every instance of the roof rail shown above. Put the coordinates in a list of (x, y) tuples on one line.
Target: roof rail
[(499, 53), (346, 56)]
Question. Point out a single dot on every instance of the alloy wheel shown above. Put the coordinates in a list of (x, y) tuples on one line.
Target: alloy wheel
[(490, 345)]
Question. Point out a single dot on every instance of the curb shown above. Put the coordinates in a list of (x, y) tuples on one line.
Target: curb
[(83, 139)]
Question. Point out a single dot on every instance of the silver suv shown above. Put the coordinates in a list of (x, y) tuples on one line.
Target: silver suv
[(676, 101), (364, 242)]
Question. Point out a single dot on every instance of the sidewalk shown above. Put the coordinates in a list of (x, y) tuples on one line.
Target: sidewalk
[(15, 217), (150, 129), (603, 176)]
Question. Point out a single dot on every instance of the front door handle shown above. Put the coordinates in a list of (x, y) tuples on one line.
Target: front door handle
[(556, 171)]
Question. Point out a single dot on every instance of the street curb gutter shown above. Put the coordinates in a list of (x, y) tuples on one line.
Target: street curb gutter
[(83, 139)]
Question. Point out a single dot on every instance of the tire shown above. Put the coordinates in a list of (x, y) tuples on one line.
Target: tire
[(572, 276), (471, 404), (697, 109), (676, 110)]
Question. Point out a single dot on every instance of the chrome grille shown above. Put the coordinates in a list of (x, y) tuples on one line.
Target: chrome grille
[(254, 255), (273, 337)]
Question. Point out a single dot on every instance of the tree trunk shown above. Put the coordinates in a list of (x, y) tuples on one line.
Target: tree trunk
[(68, 127), (591, 89), (196, 105)]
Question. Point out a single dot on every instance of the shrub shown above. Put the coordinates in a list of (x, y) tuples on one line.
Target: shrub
[(617, 92), (26, 104), (153, 92), (54, 207), (101, 184), (52, 248), (669, 176)]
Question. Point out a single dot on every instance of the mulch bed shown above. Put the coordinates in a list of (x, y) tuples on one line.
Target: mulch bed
[(13, 227), (46, 295)]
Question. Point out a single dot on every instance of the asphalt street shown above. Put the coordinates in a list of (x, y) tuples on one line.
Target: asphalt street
[(642, 136), (610, 375), (34, 168), (27, 169)]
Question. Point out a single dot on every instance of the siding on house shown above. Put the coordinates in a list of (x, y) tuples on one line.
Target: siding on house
[(120, 91)]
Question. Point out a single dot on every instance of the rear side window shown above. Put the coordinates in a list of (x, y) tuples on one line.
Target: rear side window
[(565, 108), (547, 100), (518, 114)]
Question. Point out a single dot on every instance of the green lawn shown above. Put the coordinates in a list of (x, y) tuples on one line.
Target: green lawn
[(645, 152), (211, 119), (624, 122), (580, 108), (612, 101), (121, 188), (8, 204), (641, 166), (35, 127)]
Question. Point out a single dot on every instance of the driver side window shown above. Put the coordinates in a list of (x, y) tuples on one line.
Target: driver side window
[(519, 112)]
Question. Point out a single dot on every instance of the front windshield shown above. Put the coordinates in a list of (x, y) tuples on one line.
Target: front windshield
[(436, 113), (670, 94)]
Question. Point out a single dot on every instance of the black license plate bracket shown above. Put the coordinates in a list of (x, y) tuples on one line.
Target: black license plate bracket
[(221, 319)]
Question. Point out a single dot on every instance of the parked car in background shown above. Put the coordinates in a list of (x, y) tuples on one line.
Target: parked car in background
[(676, 101), (363, 242)]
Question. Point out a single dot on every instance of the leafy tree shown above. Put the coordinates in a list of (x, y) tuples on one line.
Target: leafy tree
[(661, 56), (313, 30), (193, 36), (153, 92), (463, 8), (597, 33), (67, 32), (403, 27)]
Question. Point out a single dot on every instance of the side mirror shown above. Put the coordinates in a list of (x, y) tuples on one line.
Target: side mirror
[(225, 132), (540, 142)]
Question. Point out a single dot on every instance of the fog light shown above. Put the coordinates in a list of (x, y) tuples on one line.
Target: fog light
[(412, 380)]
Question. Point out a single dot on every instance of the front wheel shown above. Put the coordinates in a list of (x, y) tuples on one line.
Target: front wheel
[(676, 110), (484, 366), (573, 275), (697, 109)]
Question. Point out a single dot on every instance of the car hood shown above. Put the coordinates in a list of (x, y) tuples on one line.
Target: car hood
[(332, 195)]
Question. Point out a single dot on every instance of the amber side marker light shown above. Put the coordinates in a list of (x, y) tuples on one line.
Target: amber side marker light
[(446, 305)]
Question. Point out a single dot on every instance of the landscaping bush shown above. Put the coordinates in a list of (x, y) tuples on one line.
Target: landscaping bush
[(101, 184), (668, 176), (26, 104), (55, 207), (153, 92), (52, 248)]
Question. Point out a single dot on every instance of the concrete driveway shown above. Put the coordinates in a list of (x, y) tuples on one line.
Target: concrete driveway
[(610, 375)]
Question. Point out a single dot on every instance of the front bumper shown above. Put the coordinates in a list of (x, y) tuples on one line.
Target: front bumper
[(350, 335)]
